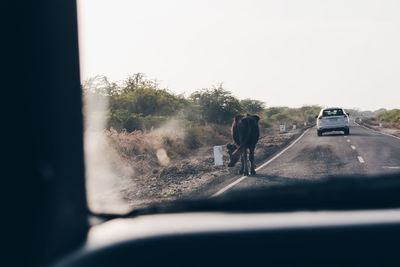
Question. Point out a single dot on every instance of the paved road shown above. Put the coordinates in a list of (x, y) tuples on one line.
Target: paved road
[(363, 152)]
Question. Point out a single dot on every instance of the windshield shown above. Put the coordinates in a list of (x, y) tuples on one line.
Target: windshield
[(196, 99), (332, 112)]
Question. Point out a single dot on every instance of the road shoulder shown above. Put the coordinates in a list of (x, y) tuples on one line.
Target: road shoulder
[(394, 132)]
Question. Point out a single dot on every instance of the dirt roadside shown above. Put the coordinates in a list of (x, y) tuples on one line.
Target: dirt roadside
[(196, 176), (374, 125)]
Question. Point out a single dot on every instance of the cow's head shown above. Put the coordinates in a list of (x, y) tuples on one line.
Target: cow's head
[(234, 154)]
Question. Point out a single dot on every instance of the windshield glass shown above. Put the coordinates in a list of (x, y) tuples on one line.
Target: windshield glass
[(182, 99), (332, 112)]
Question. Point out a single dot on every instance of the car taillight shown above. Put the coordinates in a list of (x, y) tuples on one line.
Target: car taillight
[(320, 117), (345, 115)]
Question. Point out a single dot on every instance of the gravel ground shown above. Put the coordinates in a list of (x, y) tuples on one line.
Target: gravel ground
[(187, 177), (385, 129)]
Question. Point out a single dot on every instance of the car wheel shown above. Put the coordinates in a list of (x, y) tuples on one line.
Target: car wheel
[(319, 133), (346, 132)]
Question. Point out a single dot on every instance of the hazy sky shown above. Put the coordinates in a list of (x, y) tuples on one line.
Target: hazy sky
[(286, 53)]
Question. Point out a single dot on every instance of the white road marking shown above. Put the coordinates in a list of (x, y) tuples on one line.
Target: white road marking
[(378, 131), (353, 147), (360, 159), (391, 167), (226, 188), (348, 140)]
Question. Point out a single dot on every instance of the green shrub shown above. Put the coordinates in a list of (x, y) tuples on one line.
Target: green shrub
[(389, 115), (264, 122), (252, 106), (153, 121), (217, 105), (192, 137), (133, 122)]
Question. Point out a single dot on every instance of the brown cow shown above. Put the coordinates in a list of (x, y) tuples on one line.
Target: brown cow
[(245, 134)]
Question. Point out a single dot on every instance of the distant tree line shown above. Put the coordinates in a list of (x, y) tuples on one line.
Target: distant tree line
[(388, 116), (382, 114), (140, 103)]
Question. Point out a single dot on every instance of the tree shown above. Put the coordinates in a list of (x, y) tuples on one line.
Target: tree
[(100, 85), (135, 104), (252, 106), (148, 101), (217, 105), (272, 111), (389, 115), (307, 113), (138, 80)]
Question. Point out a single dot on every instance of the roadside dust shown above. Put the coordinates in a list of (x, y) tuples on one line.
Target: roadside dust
[(182, 178), (387, 128)]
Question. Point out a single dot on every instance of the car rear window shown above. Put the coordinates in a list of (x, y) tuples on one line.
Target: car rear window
[(332, 112)]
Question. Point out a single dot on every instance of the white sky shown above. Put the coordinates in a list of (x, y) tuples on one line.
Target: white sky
[(285, 53)]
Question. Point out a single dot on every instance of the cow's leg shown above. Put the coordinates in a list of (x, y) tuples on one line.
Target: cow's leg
[(242, 165), (246, 169), (251, 158)]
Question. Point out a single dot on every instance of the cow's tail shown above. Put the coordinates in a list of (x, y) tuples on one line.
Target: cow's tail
[(248, 135)]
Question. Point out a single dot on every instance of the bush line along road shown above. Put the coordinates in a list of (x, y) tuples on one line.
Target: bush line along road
[(309, 157)]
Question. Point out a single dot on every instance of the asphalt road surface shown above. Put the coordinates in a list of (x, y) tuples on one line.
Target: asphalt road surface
[(311, 158)]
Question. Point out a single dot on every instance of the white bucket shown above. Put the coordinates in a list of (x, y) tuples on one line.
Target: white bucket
[(282, 128)]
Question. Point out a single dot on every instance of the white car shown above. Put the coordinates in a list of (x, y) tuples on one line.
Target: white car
[(332, 119)]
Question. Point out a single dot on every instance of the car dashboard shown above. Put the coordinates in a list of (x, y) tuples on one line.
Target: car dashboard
[(302, 238)]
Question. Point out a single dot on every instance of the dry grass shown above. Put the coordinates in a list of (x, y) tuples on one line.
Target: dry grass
[(135, 169), (149, 150), (385, 124), (161, 165)]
